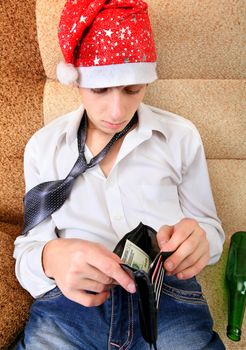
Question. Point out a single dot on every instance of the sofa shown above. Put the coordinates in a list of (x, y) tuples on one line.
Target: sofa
[(201, 77)]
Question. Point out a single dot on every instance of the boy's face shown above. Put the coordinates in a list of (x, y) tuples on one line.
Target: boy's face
[(110, 109)]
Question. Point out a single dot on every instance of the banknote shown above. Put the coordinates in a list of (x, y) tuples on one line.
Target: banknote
[(135, 257)]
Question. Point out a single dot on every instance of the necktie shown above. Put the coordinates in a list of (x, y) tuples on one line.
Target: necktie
[(44, 199)]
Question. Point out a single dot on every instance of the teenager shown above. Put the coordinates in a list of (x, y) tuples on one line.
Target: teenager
[(154, 171)]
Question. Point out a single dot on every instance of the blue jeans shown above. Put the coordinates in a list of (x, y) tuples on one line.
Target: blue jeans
[(57, 323)]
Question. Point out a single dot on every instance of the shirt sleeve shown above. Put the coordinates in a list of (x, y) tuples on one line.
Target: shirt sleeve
[(28, 249), (196, 198)]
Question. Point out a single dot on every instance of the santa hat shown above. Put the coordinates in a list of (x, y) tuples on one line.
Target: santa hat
[(106, 43)]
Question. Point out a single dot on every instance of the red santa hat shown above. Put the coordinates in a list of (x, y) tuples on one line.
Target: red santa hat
[(106, 43)]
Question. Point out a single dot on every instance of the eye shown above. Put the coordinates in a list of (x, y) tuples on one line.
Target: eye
[(99, 90), (133, 90)]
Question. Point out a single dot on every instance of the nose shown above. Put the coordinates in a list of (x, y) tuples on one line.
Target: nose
[(117, 106)]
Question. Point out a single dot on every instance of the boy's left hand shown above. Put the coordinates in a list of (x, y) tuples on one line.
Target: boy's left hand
[(190, 245)]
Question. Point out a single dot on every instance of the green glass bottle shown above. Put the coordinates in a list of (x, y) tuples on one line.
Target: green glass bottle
[(236, 284)]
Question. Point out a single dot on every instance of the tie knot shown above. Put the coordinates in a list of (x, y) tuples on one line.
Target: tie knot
[(79, 167)]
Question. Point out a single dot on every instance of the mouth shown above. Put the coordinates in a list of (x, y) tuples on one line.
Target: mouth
[(113, 125)]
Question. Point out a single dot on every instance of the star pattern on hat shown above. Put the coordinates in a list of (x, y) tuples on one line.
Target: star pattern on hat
[(73, 29), (108, 32), (120, 34), (96, 60), (83, 19)]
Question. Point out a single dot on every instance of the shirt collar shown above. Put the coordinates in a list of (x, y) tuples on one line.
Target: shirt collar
[(71, 128), (149, 121)]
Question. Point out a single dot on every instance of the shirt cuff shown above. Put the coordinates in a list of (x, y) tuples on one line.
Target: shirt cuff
[(38, 283), (215, 239)]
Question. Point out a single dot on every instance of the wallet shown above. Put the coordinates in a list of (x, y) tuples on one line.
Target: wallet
[(143, 260)]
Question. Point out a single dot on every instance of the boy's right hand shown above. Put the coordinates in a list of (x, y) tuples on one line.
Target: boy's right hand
[(80, 266)]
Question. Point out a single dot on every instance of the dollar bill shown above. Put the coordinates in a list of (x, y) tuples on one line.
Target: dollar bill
[(135, 257)]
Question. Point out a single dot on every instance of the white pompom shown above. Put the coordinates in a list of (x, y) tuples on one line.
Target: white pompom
[(66, 73)]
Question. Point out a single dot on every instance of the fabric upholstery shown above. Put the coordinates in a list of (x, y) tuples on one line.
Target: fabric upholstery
[(21, 95), (14, 301), (20, 100)]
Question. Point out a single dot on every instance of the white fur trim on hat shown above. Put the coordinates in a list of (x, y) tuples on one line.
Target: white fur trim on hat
[(66, 73), (117, 75)]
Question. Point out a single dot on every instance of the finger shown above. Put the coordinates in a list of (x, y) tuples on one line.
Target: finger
[(74, 280), (86, 299), (96, 275), (163, 236), (109, 263), (195, 242), (115, 271), (92, 250), (185, 250), (189, 261), (193, 270), (115, 283), (93, 286), (181, 232)]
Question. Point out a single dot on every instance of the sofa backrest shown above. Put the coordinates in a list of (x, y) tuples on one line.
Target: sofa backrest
[(21, 94)]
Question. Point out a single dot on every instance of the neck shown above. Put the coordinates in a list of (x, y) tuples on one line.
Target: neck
[(97, 139)]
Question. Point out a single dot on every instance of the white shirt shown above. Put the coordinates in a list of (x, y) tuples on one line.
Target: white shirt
[(159, 177)]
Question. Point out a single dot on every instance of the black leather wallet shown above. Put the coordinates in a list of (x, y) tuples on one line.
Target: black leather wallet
[(148, 282)]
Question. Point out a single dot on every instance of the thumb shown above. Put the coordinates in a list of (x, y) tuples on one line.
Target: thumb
[(163, 236)]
